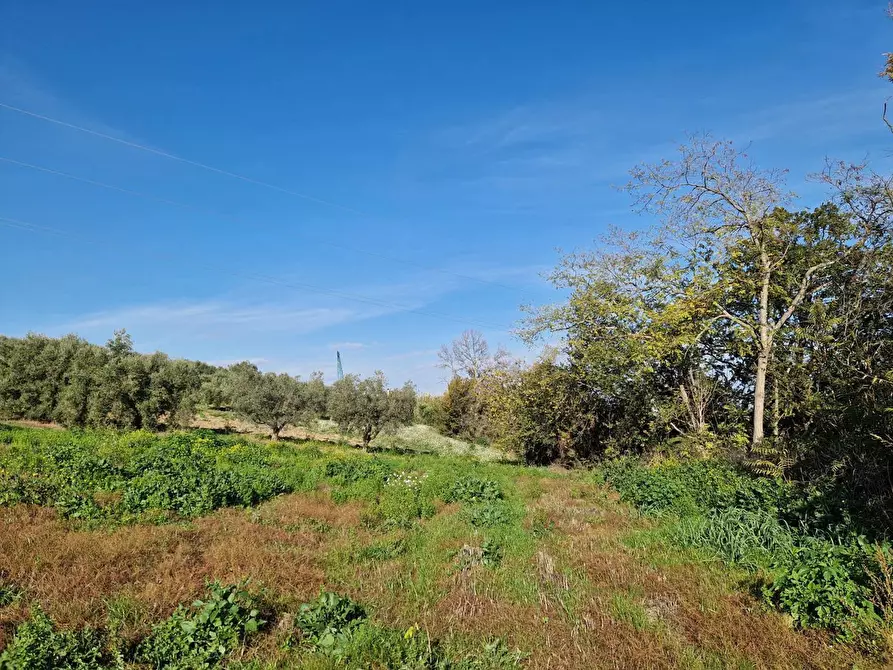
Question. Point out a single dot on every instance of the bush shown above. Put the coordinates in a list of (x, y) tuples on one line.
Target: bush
[(692, 487), (203, 635), (826, 585), (38, 645)]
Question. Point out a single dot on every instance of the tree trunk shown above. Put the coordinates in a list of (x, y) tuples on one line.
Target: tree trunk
[(764, 344), (275, 436), (759, 398)]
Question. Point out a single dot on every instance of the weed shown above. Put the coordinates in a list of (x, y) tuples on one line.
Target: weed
[(750, 539), (328, 624), (491, 553), (204, 634), (626, 609), (39, 645), (488, 515), (9, 591), (470, 489)]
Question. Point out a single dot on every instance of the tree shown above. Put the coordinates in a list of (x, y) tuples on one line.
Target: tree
[(368, 407), (463, 409), (724, 233), (468, 355), (272, 400)]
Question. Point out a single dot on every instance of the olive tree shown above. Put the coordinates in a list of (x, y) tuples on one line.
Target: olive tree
[(273, 400), (368, 406)]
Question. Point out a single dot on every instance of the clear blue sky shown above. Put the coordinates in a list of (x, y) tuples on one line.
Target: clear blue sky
[(470, 140)]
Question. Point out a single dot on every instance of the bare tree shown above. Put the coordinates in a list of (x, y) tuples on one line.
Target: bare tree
[(468, 355)]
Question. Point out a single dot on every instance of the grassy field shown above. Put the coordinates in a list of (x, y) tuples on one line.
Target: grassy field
[(197, 550), (418, 438)]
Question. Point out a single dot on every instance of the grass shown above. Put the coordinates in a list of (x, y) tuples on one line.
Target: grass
[(454, 563), (415, 439)]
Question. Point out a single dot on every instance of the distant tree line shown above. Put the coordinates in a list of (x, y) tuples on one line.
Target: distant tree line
[(78, 384)]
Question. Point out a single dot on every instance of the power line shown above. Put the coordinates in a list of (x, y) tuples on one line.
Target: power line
[(240, 220), (227, 173), (304, 286), (165, 154)]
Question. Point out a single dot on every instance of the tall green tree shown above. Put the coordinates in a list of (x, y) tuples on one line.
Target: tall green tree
[(730, 244)]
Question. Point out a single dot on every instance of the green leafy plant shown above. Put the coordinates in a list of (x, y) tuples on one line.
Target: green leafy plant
[(488, 515), (328, 623), (471, 489), (491, 553), (39, 645), (204, 634), (826, 585)]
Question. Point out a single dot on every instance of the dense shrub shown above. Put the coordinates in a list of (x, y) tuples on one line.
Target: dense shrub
[(692, 486)]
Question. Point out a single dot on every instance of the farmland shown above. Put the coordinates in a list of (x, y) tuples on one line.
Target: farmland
[(198, 549)]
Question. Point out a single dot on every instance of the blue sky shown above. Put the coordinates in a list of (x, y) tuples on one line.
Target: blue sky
[(454, 146)]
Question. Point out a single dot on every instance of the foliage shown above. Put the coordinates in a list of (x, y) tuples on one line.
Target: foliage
[(821, 578), (472, 489), (275, 400), (463, 412), (328, 624), (368, 407), (39, 645), (202, 635), (79, 384), (489, 514), (9, 592), (828, 585), (692, 486), (430, 412), (753, 539)]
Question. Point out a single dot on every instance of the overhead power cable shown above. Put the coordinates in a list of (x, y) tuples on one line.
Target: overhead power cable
[(220, 171), (267, 279), (243, 221)]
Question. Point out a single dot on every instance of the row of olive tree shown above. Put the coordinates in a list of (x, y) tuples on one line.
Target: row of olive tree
[(364, 407), (75, 383)]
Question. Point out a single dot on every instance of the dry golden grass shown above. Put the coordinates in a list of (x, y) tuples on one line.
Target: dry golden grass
[(680, 613), (72, 573)]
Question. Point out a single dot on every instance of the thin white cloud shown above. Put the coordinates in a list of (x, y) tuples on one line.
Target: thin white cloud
[(201, 316), (23, 88)]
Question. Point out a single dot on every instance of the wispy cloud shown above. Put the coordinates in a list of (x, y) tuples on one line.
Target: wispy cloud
[(210, 316), (824, 118)]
